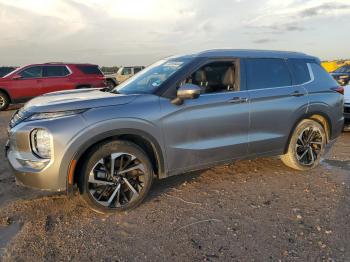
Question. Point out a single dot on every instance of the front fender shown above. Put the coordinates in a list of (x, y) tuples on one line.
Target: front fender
[(109, 128)]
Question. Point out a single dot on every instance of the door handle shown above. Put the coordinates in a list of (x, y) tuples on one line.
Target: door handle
[(297, 93), (238, 100)]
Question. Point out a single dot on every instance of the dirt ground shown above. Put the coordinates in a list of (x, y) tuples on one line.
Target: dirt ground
[(257, 210)]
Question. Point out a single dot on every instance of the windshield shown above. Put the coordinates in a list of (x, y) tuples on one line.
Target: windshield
[(343, 69), (149, 79)]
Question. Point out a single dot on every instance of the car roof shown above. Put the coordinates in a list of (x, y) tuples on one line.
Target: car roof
[(60, 63), (245, 53)]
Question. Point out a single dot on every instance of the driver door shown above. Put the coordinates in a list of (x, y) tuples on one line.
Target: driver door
[(212, 128), (29, 84)]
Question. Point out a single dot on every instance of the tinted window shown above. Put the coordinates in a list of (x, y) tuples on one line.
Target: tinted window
[(52, 71), (300, 71), (137, 69), (32, 72), (89, 69), (267, 73)]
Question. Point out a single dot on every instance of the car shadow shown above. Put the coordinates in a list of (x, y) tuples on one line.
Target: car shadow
[(162, 186)]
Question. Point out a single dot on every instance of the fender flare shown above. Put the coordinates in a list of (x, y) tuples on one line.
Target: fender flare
[(113, 133)]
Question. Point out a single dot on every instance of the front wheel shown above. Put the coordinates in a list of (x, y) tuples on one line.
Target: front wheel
[(306, 146), (4, 101), (116, 176)]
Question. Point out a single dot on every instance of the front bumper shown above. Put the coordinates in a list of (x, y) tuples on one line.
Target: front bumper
[(35, 172)]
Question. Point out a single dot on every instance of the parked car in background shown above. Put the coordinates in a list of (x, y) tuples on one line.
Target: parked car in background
[(4, 70), (342, 75), (123, 74), (181, 114), (347, 107), (34, 80)]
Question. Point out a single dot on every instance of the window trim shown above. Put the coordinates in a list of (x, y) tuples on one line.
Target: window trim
[(69, 70)]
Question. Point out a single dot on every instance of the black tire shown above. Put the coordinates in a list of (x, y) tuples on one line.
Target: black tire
[(82, 87), (93, 168), (303, 155), (110, 84), (4, 101)]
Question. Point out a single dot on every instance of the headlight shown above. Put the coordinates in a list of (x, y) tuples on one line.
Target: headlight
[(41, 143), (48, 115)]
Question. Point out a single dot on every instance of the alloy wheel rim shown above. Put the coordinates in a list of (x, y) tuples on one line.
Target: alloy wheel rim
[(117, 180), (309, 146), (2, 101)]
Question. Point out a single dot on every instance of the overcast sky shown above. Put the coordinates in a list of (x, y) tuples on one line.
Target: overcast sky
[(128, 32)]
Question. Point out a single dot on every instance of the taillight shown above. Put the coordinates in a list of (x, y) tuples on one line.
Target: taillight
[(339, 89)]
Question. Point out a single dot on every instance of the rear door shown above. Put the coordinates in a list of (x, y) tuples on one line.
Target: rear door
[(275, 104), (55, 78), (29, 83)]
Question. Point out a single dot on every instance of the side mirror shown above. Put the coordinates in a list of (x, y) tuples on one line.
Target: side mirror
[(16, 77), (186, 91)]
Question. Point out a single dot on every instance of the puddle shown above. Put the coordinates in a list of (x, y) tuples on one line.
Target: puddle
[(6, 234), (329, 163)]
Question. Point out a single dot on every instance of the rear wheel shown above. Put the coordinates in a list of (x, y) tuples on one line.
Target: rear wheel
[(116, 176), (4, 101), (110, 84), (306, 146)]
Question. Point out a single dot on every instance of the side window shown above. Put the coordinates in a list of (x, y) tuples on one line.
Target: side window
[(32, 72), (299, 70), (126, 71), (137, 69), (216, 77), (55, 71), (267, 73), (90, 69)]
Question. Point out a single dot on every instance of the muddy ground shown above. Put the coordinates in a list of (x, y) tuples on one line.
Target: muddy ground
[(256, 210)]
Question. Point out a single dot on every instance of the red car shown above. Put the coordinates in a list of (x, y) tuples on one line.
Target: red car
[(34, 80)]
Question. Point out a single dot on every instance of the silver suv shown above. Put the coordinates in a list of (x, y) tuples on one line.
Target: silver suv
[(180, 114)]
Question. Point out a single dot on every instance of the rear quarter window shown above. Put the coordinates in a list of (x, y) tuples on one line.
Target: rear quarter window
[(267, 73), (89, 69), (322, 76), (299, 70)]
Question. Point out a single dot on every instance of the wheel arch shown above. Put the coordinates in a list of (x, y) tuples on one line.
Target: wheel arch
[(6, 92), (112, 79), (320, 117), (83, 86), (144, 140)]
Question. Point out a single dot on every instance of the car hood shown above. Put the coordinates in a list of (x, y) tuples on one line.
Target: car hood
[(76, 99)]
